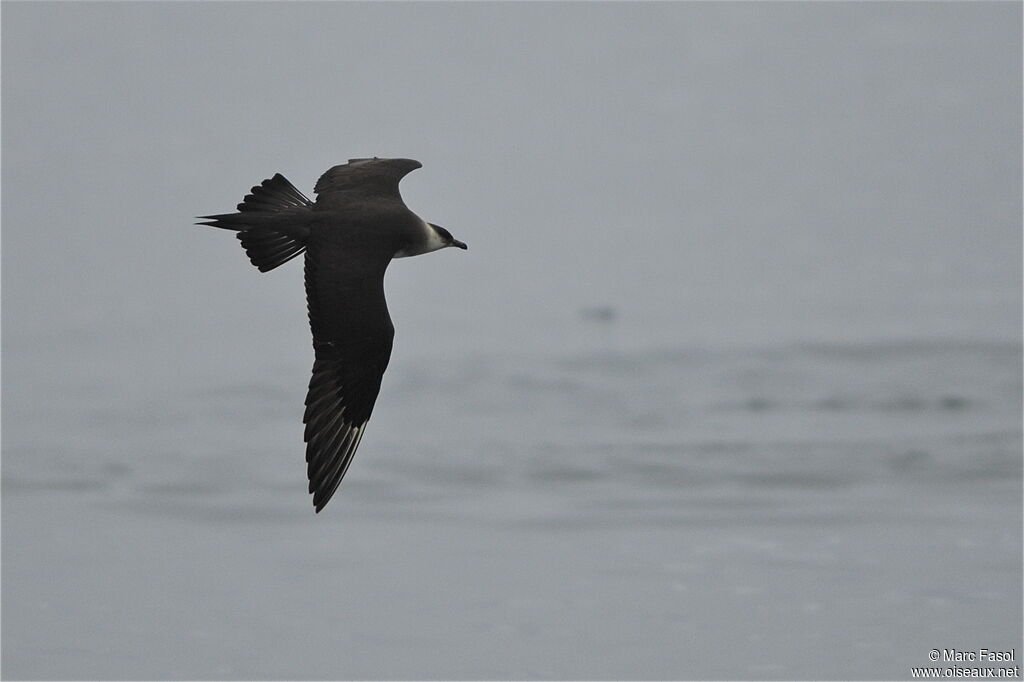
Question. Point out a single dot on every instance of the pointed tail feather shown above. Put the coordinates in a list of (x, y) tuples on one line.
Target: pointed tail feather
[(269, 222)]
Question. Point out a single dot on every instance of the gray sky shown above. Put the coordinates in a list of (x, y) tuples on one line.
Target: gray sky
[(717, 171)]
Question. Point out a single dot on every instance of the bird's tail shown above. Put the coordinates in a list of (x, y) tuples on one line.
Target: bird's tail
[(270, 222)]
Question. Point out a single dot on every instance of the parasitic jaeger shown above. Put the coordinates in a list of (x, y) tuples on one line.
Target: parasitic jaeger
[(357, 224)]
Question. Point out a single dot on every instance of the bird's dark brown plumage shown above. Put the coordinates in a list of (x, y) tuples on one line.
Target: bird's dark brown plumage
[(349, 236)]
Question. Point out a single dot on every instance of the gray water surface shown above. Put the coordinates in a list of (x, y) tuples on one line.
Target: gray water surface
[(727, 386)]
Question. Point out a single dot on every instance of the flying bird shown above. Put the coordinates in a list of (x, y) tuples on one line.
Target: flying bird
[(349, 235)]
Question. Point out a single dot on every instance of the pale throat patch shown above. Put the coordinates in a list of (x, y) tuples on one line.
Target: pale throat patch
[(432, 241)]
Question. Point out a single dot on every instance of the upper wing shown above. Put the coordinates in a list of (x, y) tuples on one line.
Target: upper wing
[(362, 179), (352, 337)]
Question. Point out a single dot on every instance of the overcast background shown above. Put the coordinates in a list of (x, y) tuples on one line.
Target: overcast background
[(726, 386)]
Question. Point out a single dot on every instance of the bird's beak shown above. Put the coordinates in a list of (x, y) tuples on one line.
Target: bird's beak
[(461, 245)]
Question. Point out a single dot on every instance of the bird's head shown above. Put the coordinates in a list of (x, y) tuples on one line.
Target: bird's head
[(430, 238), (446, 238)]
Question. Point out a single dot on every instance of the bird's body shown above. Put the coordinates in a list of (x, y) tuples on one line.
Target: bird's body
[(349, 236)]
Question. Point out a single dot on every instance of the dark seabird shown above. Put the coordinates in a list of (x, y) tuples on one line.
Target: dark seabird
[(357, 224)]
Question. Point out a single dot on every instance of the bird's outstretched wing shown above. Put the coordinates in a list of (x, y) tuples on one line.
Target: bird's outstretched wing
[(362, 179), (352, 337)]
